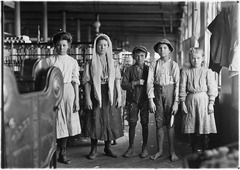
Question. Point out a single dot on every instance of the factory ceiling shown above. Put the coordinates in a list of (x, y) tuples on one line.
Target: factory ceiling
[(119, 19)]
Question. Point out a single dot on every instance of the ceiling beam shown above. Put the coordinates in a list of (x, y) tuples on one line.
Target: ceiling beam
[(118, 19), (103, 8)]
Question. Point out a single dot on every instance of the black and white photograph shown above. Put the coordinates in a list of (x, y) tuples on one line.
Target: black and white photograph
[(116, 84)]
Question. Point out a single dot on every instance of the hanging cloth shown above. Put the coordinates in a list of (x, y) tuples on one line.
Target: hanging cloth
[(219, 41), (234, 45)]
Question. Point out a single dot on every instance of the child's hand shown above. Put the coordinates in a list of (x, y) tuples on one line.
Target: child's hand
[(184, 108), (118, 102), (210, 108), (174, 108), (76, 106), (141, 82), (152, 106), (88, 104), (138, 82)]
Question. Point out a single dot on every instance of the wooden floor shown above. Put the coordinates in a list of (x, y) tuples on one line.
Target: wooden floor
[(77, 152)]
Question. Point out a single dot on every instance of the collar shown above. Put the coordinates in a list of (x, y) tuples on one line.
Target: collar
[(162, 61), (142, 66)]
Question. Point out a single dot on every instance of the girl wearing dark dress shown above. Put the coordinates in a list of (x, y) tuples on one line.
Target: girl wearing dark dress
[(101, 79)]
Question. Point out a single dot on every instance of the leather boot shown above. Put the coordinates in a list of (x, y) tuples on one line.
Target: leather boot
[(62, 154), (129, 152), (205, 142), (108, 150), (145, 139), (198, 144), (144, 152), (93, 152)]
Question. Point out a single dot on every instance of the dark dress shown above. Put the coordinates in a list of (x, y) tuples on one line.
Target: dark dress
[(104, 123)]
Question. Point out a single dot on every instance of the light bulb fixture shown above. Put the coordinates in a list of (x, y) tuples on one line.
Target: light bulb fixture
[(127, 42), (97, 23)]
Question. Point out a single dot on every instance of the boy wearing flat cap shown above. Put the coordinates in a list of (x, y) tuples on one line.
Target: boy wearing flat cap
[(162, 91), (135, 83)]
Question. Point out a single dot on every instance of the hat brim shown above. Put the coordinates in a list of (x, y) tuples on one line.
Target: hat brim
[(155, 47)]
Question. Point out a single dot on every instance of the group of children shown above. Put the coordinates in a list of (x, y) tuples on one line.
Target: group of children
[(161, 83)]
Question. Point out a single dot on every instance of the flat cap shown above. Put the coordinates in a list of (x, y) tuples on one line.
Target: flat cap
[(141, 48)]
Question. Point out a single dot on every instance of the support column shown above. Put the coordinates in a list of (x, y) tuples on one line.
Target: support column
[(193, 19), (89, 34), (45, 22), (78, 30), (171, 18), (64, 21), (17, 27), (9, 27), (115, 43), (27, 31), (189, 21)]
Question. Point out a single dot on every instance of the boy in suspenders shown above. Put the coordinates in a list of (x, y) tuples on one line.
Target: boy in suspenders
[(162, 91)]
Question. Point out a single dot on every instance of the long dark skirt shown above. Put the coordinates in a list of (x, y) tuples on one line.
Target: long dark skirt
[(104, 123)]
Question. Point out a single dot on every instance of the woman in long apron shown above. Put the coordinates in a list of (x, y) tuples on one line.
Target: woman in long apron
[(68, 123)]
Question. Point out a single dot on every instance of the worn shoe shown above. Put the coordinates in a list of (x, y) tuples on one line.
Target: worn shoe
[(63, 159), (128, 153), (110, 153), (144, 153), (93, 153)]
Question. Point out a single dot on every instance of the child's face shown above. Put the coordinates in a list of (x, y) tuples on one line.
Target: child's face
[(163, 50), (196, 60), (139, 57), (62, 47), (102, 47)]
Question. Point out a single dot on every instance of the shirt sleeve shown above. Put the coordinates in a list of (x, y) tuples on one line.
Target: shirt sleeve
[(182, 86), (126, 84), (150, 80), (75, 72), (49, 61), (176, 76), (212, 86), (86, 73)]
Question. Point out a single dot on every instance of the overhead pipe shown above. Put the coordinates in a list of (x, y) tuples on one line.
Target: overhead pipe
[(171, 20), (89, 34), (17, 19), (164, 30), (78, 30), (64, 21), (45, 22)]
